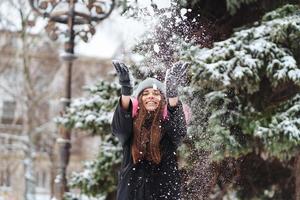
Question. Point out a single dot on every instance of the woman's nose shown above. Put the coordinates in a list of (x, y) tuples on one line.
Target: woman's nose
[(151, 96)]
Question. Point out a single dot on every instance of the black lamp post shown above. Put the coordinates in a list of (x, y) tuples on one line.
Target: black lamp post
[(70, 18)]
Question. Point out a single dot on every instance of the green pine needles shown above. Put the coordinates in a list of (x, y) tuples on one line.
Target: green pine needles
[(250, 82)]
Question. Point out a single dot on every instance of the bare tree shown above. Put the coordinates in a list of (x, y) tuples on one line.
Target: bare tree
[(28, 67)]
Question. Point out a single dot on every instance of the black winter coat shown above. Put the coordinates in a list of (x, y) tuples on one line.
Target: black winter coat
[(146, 180)]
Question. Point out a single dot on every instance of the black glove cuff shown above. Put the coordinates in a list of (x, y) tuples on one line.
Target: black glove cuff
[(125, 90), (172, 93)]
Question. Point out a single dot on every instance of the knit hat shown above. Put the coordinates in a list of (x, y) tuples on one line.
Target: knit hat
[(150, 83)]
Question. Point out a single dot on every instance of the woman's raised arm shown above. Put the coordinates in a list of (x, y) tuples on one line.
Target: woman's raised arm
[(175, 76), (125, 82)]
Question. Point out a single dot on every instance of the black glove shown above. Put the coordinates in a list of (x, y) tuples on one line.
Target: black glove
[(175, 77), (124, 78)]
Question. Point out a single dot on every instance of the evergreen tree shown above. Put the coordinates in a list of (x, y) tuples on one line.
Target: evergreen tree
[(250, 83), (94, 114)]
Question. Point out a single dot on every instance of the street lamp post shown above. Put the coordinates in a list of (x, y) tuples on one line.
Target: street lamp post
[(70, 18)]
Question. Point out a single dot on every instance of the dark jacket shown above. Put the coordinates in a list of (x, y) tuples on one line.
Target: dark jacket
[(146, 180)]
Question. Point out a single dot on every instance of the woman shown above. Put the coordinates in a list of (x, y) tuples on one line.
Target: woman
[(150, 128)]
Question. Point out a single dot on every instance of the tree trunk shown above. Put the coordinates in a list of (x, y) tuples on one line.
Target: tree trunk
[(29, 175), (52, 172), (297, 177), (111, 196)]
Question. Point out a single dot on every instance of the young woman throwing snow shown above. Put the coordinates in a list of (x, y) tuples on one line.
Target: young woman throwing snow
[(150, 128)]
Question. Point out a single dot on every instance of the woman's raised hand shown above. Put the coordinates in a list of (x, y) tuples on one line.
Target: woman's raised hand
[(175, 77), (124, 77)]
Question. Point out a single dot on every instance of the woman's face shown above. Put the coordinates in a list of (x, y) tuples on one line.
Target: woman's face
[(151, 99)]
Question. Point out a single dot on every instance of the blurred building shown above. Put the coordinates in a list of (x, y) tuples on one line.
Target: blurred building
[(31, 88)]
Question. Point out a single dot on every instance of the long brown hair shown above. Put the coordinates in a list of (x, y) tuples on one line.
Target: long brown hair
[(153, 135)]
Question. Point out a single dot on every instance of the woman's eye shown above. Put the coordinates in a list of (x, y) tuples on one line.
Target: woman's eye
[(156, 93)]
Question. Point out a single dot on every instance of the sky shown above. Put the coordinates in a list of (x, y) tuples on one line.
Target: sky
[(115, 31), (111, 33)]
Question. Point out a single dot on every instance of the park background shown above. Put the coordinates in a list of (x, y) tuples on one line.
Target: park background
[(243, 91)]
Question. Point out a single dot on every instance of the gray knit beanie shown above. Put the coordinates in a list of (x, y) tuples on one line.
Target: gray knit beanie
[(149, 83)]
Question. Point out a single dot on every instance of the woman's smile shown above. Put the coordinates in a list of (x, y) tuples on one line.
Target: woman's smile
[(151, 103)]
